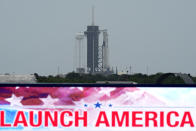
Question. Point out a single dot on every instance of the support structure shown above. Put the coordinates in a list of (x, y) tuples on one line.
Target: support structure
[(105, 50), (92, 34), (79, 53), (97, 53)]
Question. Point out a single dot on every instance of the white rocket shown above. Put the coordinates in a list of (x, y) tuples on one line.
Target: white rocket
[(105, 51)]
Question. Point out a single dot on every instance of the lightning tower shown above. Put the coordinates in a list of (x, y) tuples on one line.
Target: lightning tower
[(80, 53)]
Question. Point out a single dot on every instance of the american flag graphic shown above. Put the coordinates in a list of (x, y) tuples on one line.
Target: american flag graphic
[(75, 96), (91, 99)]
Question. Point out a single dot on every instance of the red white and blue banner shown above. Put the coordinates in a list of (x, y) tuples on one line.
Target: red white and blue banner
[(84, 108)]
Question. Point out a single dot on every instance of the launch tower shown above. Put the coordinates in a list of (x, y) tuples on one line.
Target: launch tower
[(97, 49), (92, 34)]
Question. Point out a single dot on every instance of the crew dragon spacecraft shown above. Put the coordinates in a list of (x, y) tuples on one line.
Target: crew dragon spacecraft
[(97, 51)]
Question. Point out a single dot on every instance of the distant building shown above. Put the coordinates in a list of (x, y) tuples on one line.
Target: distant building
[(116, 82), (9, 78)]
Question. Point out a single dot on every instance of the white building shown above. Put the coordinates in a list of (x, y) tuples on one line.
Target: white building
[(9, 78)]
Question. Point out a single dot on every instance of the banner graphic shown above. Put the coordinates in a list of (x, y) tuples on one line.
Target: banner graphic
[(98, 108)]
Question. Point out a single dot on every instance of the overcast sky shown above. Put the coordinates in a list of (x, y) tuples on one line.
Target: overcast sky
[(38, 35)]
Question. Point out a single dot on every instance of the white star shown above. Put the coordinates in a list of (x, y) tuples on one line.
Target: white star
[(15, 101), (106, 91), (17, 87), (49, 101), (79, 88)]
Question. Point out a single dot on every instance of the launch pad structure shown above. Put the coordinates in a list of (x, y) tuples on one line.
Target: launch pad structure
[(97, 53)]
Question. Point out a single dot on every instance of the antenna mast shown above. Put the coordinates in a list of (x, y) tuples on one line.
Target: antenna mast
[(93, 17)]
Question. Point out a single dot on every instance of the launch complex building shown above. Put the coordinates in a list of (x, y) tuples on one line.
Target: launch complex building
[(97, 51)]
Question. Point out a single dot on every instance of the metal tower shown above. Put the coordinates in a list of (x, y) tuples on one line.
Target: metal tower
[(92, 34), (80, 53), (105, 52), (97, 53)]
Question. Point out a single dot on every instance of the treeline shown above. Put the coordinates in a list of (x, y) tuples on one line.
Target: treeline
[(89, 78)]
